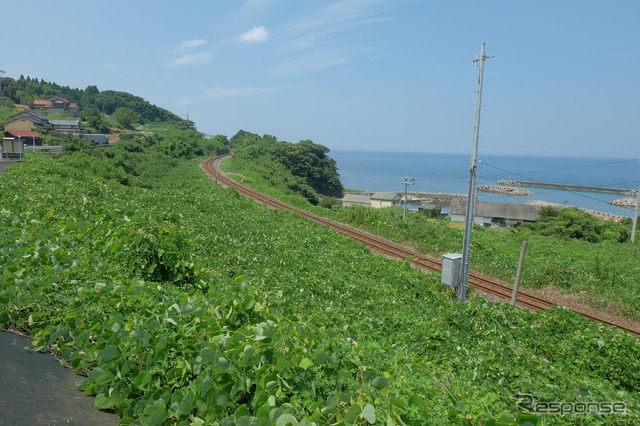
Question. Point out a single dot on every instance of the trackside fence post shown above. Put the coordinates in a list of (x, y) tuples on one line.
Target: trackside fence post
[(516, 284)]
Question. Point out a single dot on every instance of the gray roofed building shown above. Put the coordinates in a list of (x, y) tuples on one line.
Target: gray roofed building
[(67, 126), (98, 139), (356, 200), (493, 214)]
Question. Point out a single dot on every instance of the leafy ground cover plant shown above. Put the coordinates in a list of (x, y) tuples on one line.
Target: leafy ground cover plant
[(600, 270), (185, 303)]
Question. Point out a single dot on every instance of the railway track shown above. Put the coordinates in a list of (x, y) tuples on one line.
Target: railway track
[(482, 283)]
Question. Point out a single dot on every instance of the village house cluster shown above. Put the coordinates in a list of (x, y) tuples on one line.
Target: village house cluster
[(23, 130)]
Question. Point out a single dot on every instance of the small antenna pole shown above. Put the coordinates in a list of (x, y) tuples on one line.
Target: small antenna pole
[(406, 181)]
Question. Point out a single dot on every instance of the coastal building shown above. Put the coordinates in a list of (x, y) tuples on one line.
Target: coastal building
[(494, 214), (359, 199), (384, 199)]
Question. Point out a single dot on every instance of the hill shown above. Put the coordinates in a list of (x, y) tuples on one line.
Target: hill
[(25, 90)]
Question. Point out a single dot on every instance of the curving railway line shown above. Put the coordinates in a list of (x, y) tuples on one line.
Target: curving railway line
[(482, 283)]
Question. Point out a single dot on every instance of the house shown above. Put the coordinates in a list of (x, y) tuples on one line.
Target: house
[(31, 121), (28, 121), (493, 214), (57, 105), (14, 142), (25, 138), (384, 199), (360, 199), (98, 139), (69, 127)]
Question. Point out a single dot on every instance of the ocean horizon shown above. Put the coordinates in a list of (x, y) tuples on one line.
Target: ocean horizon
[(378, 171)]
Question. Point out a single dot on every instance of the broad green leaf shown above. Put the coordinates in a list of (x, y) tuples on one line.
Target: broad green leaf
[(369, 413), (352, 414), (108, 353), (208, 354), (186, 405), (155, 415), (305, 363), (379, 382), (102, 401), (286, 419), (105, 377), (221, 366)]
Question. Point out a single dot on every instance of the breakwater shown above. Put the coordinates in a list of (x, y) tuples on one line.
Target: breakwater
[(502, 189), (568, 187)]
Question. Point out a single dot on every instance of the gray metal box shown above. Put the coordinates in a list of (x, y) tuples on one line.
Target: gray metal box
[(451, 266)]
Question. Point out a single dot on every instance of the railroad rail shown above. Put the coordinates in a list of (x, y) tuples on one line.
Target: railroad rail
[(491, 286)]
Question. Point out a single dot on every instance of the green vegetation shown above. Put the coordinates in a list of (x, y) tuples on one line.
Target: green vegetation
[(185, 303), (94, 121), (568, 250), (7, 112), (302, 168), (573, 223), (134, 110)]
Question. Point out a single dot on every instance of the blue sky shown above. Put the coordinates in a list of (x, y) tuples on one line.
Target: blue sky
[(385, 75)]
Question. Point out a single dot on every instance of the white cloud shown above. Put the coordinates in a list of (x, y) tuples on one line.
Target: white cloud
[(341, 15), (191, 59), (110, 66), (190, 44), (189, 54), (255, 35)]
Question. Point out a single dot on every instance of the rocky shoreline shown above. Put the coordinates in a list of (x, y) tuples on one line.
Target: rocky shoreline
[(624, 202)]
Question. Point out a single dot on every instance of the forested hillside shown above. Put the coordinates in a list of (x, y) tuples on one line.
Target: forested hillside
[(25, 90), (302, 168)]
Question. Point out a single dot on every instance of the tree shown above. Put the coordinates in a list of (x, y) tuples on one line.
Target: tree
[(308, 160), (126, 117), (90, 97), (94, 119)]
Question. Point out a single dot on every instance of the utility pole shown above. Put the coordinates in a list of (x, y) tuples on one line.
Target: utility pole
[(464, 272), (406, 181)]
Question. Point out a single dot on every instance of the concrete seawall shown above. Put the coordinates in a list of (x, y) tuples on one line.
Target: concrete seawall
[(567, 187)]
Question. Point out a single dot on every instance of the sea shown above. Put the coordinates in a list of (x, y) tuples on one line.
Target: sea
[(376, 171)]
